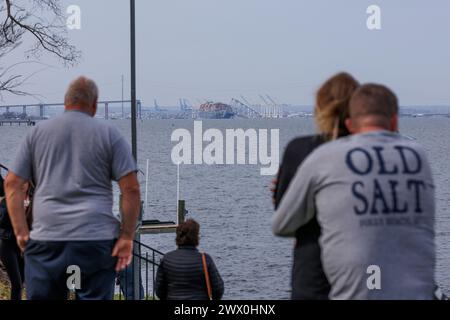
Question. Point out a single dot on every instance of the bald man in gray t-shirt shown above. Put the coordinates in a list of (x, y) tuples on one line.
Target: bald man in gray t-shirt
[(73, 160)]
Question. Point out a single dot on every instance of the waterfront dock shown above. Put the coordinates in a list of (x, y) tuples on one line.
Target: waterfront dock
[(11, 122), (156, 226)]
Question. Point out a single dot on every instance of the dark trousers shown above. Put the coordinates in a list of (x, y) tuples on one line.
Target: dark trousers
[(12, 259), (50, 265), (308, 278), (126, 281)]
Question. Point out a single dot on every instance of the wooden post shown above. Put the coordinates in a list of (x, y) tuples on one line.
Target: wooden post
[(181, 211), (120, 205), (139, 106), (106, 111)]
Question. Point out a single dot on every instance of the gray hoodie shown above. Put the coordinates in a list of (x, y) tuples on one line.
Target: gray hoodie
[(373, 195)]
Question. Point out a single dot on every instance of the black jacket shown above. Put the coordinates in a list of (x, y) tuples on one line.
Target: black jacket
[(180, 276), (2, 190), (6, 229), (308, 279)]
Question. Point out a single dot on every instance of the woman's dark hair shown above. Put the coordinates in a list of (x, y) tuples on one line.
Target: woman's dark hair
[(188, 233)]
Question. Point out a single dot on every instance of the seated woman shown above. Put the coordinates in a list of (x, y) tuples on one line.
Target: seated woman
[(184, 274)]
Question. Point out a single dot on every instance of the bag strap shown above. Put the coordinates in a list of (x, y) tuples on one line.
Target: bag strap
[(205, 270)]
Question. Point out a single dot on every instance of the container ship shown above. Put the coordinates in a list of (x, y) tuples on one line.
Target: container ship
[(215, 110)]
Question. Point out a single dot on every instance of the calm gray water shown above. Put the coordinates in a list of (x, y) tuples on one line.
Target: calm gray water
[(233, 205)]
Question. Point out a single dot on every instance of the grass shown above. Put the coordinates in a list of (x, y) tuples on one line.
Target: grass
[(121, 297), (4, 291)]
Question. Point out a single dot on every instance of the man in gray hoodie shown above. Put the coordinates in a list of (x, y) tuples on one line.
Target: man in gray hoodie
[(373, 195)]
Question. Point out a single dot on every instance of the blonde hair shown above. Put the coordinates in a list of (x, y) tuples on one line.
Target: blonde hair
[(332, 105)]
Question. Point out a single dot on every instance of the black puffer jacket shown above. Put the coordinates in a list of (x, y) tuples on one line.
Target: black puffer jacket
[(180, 276)]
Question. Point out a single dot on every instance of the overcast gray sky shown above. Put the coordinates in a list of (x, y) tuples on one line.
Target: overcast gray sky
[(211, 49)]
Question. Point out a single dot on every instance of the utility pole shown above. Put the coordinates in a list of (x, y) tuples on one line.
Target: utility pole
[(133, 78), (136, 264), (123, 113)]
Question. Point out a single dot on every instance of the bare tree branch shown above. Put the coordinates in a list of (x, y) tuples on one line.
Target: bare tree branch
[(41, 22), (50, 35), (10, 83)]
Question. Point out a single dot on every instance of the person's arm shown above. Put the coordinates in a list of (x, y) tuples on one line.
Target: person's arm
[(20, 172), (297, 205), (161, 282), (131, 202), (15, 196), (273, 189), (216, 280), (124, 170)]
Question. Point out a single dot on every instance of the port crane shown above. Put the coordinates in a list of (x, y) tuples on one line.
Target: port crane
[(278, 109), (244, 110)]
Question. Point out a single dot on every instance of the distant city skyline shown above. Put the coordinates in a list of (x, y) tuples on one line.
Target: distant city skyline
[(210, 50)]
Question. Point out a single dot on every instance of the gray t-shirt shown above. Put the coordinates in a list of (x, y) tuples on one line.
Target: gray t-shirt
[(373, 195), (73, 159)]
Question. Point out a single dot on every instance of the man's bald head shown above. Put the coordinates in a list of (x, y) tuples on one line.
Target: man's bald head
[(371, 106), (82, 95)]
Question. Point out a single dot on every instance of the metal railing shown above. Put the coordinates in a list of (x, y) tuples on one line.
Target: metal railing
[(149, 260)]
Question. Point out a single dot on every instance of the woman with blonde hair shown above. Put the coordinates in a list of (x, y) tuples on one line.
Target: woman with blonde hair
[(308, 279)]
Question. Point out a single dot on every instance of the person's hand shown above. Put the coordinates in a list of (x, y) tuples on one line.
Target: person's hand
[(123, 250), (22, 241), (273, 189)]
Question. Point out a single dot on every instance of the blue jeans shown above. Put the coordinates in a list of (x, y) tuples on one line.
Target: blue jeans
[(47, 269)]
